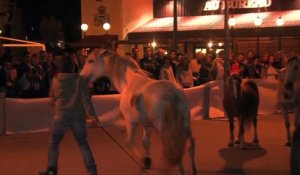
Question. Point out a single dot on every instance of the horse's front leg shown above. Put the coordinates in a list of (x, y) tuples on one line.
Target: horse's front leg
[(131, 134), (192, 155), (181, 168), (285, 113), (241, 132), (255, 139), (231, 128), (146, 144)]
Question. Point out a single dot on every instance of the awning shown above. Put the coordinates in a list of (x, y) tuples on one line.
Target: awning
[(213, 25), (213, 22), (21, 43)]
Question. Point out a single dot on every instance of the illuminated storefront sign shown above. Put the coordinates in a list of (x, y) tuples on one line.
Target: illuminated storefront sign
[(236, 4)]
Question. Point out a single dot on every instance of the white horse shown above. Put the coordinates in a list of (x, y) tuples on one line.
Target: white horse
[(289, 93), (150, 103)]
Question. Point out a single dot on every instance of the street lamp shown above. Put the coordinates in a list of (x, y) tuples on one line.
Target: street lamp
[(210, 44), (153, 44), (232, 23), (84, 28), (257, 22), (106, 27), (279, 23)]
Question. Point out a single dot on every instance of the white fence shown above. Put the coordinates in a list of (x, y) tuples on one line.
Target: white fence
[(32, 115)]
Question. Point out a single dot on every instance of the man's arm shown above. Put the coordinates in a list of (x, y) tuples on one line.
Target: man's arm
[(86, 98), (87, 101)]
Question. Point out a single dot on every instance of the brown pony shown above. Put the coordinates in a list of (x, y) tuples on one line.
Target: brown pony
[(241, 100)]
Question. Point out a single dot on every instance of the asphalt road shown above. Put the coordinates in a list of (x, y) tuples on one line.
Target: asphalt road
[(26, 154)]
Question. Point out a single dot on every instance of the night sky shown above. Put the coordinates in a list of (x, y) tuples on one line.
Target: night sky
[(67, 11)]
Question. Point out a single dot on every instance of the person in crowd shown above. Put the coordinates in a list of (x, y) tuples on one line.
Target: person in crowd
[(173, 59), (272, 72), (244, 66), (235, 67), (160, 55), (255, 69), (150, 64), (183, 74), (14, 61), (23, 67), (264, 65), (250, 56), (36, 77), (278, 60), (205, 72), (135, 54), (285, 60), (166, 71), (72, 103), (24, 75), (218, 66), (42, 55), (13, 88), (47, 67), (195, 67)]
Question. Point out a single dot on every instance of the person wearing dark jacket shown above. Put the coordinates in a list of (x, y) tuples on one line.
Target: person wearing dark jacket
[(72, 103)]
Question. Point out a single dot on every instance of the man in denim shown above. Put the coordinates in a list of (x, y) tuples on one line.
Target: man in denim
[(72, 102)]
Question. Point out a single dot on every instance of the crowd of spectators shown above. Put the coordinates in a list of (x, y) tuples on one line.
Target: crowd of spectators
[(189, 72), (30, 75)]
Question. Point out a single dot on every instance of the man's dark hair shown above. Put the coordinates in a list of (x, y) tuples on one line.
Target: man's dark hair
[(67, 64)]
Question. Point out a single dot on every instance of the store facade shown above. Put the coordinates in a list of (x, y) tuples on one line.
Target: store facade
[(138, 23)]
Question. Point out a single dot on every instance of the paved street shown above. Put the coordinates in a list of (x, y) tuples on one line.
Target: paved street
[(26, 154)]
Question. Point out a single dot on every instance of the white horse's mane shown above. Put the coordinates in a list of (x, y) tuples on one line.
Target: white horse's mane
[(118, 60)]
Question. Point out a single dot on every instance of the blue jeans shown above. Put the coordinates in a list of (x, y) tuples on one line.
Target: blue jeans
[(78, 126)]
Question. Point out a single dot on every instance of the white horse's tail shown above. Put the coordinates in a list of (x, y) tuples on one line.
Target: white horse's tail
[(173, 135)]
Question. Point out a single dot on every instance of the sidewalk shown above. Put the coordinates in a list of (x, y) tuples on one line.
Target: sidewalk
[(26, 154)]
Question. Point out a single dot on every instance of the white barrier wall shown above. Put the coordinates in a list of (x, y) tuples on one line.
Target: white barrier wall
[(32, 115)]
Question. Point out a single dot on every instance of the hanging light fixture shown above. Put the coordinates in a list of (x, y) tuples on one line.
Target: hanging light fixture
[(258, 21), (280, 21), (232, 21)]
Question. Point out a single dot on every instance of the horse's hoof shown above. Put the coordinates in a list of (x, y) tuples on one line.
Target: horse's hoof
[(288, 144), (256, 142), (147, 163), (243, 148), (194, 171), (230, 145)]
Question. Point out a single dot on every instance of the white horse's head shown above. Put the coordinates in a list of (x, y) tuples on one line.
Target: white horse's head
[(94, 66), (292, 77)]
